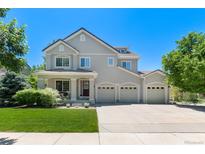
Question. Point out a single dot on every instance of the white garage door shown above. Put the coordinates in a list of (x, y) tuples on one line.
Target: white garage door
[(155, 94), (129, 94), (106, 94)]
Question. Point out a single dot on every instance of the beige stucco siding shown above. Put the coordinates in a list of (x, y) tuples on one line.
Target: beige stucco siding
[(155, 77), (89, 45), (48, 62), (75, 62), (109, 73), (51, 83)]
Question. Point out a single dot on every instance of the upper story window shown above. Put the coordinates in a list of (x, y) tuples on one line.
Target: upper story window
[(126, 64), (62, 61), (82, 37), (110, 61), (85, 62), (61, 47)]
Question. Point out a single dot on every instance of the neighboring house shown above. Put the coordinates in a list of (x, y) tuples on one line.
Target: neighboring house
[(82, 66)]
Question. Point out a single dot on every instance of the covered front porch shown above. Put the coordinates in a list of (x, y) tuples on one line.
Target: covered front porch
[(72, 85)]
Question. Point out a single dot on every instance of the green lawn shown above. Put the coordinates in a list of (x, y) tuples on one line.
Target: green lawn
[(48, 120)]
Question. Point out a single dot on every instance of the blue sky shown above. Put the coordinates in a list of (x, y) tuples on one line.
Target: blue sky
[(150, 33)]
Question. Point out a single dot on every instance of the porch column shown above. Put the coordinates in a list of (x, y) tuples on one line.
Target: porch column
[(73, 89), (91, 90)]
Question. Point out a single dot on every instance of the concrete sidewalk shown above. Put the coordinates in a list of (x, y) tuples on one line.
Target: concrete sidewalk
[(100, 138)]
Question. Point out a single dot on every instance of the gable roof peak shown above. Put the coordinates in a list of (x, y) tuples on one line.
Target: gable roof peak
[(82, 28), (146, 73), (92, 35), (61, 41)]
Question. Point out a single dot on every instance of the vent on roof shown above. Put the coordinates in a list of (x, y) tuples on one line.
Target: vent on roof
[(82, 37), (61, 47)]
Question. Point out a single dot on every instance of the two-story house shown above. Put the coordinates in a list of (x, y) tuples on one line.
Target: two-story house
[(82, 66)]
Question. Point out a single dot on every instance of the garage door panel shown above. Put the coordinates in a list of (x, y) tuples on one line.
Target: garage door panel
[(128, 94), (106, 94), (155, 94)]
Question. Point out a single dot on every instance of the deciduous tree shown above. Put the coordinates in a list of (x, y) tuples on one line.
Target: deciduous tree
[(13, 44), (185, 65)]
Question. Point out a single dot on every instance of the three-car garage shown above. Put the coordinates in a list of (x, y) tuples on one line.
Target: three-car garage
[(151, 88), (125, 94)]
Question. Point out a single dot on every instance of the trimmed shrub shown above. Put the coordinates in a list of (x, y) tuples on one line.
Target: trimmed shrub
[(42, 97), (26, 97), (47, 97)]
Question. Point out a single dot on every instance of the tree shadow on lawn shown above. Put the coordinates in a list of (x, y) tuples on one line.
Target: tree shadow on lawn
[(7, 141)]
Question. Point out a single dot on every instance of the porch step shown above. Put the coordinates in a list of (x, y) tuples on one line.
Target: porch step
[(77, 104)]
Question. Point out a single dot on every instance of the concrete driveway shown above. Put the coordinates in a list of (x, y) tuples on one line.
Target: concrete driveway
[(144, 118)]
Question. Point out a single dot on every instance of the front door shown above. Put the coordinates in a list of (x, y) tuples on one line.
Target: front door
[(84, 88)]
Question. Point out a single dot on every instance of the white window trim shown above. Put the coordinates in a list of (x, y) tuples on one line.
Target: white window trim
[(127, 61), (85, 67), (63, 66), (62, 84), (112, 59)]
